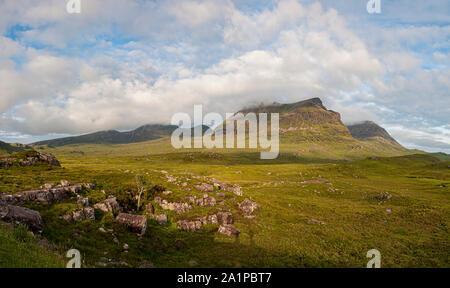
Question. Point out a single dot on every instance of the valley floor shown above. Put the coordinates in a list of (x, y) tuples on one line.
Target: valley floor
[(410, 229)]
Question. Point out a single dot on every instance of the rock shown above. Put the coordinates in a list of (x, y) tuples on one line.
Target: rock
[(89, 213), (179, 208), (221, 195), (383, 196), (89, 186), (205, 201), (137, 223), (78, 215), (167, 192), (161, 218), (108, 205), (235, 189), (48, 186), (65, 183), (68, 218), (5, 164), (248, 207), (50, 159), (190, 226), (314, 221), (210, 219), (204, 187), (32, 219), (125, 246), (83, 201), (228, 230), (146, 265), (225, 218), (101, 229)]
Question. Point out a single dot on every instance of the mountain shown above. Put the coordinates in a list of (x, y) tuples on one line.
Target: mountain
[(6, 148), (306, 120), (141, 134), (369, 129)]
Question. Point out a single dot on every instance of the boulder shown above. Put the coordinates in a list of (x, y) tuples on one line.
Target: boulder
[(179, 208), (32, 219), (68, 218), (383, 196), (137, 223), (161, 218), (190, 226), (206, 200), (48, 186), (228, 230), (247, 206), (65, 183), (204, 187), (108, 205), (83, 201), (89, 213), (225, 218)]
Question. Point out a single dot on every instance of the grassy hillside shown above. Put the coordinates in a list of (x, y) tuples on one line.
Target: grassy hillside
[(410, 229), (6, 148), (18, 249)]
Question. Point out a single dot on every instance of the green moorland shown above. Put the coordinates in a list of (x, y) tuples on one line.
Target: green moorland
[(410, 229)]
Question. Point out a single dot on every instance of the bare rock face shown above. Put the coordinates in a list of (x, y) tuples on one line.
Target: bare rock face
[(247, 206), (137, 223), (228, 230), (190, 226), (32, 219), (225, 218), (204, 187)]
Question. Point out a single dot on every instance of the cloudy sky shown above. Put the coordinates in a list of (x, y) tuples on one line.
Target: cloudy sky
[(123, 63)]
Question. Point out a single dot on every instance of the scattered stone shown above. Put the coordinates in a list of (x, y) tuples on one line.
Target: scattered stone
[(205, 201), (314, 221), (48, 186), (228, 230), (101, 229), (15, 214), (65, 183), (125, 246), (383, 196), (248, 207), (83, 201), (225, 218), (204, 187), (108, 205), (137, 223), (167, 192), (68, 218), (187, 225), (179, 208), (161, 218), (146, 265), (89, 213)]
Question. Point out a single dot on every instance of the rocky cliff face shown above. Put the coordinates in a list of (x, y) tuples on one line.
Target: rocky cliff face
[(369, 129)]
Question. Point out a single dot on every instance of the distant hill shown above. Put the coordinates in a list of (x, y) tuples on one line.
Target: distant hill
[(441, 156), (6, 148), (141, 134), (369, 129)]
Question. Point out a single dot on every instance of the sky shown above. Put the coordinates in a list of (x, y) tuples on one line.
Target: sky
[(120, 64)]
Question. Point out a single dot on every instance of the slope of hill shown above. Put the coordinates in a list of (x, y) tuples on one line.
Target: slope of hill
[(6, 148), (141, 134), (369, 129)]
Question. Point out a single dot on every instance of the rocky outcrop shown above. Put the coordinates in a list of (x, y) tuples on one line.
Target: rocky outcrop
[(228, 230), (204, 187), (160, 218), (179, 208), (108, 205), (248, 207), (210, 219), (15, 214), (86, 213), (34, 158), (190, 226), (206, 200), (225, 218), (137, 223), (57, 194)]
